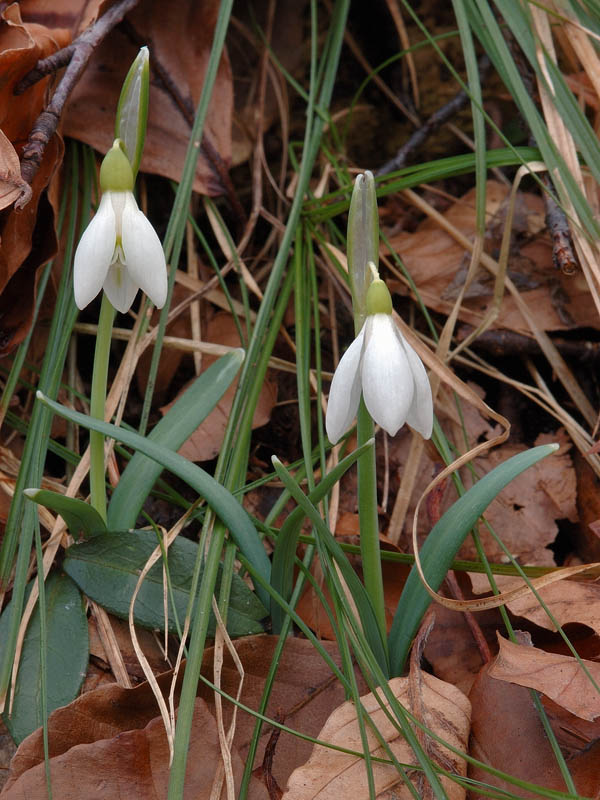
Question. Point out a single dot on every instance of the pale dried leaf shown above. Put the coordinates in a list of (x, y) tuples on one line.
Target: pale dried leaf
[(561, 678), (330, 774), (568, 601)]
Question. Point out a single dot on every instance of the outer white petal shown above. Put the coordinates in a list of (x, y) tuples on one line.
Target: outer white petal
[(143, 252), (387, 381), (344, 394), (119, 287), (94, 253), (420, 415)]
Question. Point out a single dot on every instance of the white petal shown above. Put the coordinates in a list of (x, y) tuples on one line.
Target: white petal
[(344, 394), (144, 255), (420, 415), (119, 287), (387, 381), (94, 253)]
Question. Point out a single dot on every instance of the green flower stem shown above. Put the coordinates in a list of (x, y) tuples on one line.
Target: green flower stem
[(98, 402), (368, 518)]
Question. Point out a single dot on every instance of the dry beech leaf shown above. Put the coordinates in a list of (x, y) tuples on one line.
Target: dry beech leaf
[(11, 183), (332, 774), (568, 600), (507, 734), (28, 238), (452, 650), (134, 764), (303, 697), (205, 441), (180, 42), (434, 258), (559, 677), (525, 512)]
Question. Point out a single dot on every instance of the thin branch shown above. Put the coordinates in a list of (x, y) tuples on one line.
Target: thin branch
[(435, 121), (77, 55)]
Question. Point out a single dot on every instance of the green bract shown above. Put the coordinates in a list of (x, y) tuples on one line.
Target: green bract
[(379, 300), (116, 174)]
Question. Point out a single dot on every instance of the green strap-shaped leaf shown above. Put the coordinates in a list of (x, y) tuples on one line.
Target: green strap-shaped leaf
[(132, 109), (182, 419), (223, 503), (284, 554), (442, 545), (78, 515), (107, 568), (66, 655), (359, 594)]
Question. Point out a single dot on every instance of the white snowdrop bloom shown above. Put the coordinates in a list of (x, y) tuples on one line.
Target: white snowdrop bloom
[(382, 365), (119, 251)]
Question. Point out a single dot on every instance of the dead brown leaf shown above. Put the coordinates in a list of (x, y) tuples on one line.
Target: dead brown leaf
[(524, 514), (451, 649), (303, 696), (180, 43), (205, 441), (434, 259), (28, 238), (507, 734), (568, 601), (559, 677), (134, 764), (331, 774)]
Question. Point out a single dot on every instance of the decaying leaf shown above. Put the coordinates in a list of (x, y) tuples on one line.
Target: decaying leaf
[(303, 696), (434, 259), (559, 677), (27, 237), (134, 764), (205, 441), (568, 601), (332, 774), (507, 734), (178, 64), (525, 512)]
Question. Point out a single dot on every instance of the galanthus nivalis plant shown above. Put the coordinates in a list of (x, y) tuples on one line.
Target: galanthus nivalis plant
[(382, 365), (119, 251)]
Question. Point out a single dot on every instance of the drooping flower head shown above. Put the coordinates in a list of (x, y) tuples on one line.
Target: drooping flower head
[(384, 367), (119, 251)]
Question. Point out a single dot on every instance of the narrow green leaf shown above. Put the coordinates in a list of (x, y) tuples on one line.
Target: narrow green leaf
[(132, 109), (359, 594), (442, 545), (107, 568), (284, 555), (218, 498), (66, 658), (175, 427), (79, 516)]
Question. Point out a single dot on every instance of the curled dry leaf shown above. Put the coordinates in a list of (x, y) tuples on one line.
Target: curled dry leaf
[(302, 697), (27, 237), (434, 259), (525, 512), (134, 764), (569, 601), (330, 774), (507, 734), (205, 441), (561, 678), (180, 44)]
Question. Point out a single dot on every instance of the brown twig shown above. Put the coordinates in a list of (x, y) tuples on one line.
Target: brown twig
[(436, 120), (77, 55), (563, 253)]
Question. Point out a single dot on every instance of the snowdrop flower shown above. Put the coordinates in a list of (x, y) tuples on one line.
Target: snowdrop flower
[(119, 251), (382, 365)]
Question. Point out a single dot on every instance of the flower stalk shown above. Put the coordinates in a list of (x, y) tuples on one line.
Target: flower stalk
[(98, 401)]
